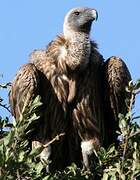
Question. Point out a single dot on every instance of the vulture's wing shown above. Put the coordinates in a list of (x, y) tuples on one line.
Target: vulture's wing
[(116, 77), (24, 88), (37, 55)]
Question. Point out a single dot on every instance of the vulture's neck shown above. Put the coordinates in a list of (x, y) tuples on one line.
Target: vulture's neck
[(78, 51)]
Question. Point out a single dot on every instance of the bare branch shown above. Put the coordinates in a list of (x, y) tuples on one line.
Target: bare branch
[(5, 85), (5, 107), (57, 138), (134, 134), (137, 117)]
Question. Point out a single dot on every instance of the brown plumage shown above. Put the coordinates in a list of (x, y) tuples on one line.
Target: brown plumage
[(81, 94)]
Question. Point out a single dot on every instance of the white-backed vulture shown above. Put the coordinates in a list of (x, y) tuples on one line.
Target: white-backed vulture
[(81, 93)]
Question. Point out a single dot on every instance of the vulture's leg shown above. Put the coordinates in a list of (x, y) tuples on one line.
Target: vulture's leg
[(88, 148), (88, 130), (87, 127)]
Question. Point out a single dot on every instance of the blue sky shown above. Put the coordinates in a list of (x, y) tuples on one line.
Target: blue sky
[(31, 24)]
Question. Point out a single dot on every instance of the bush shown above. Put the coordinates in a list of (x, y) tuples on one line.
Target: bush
[(18, 162)]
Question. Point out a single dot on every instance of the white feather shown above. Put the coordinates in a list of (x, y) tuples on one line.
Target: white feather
[(87, 147)]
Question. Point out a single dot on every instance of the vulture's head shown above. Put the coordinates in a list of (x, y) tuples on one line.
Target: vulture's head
[(79, 20)]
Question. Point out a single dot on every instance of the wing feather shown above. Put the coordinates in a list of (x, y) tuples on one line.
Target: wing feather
[(24, 87), (116, 77), (37, 55)]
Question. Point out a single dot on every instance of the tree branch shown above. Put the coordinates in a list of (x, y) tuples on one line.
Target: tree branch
[(57, 138)]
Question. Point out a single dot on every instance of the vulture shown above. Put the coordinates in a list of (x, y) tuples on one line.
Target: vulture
[(81, 93)]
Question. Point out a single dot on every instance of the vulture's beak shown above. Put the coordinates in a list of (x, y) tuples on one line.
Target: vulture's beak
[(94, 14)]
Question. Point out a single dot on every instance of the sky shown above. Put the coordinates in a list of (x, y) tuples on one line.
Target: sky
[(31, 24)]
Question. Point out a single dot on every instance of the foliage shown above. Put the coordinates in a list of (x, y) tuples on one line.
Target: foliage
[(18, 162), (123, 163)]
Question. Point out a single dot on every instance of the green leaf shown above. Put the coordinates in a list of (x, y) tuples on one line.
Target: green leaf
[(36, 103), (9, 139), (137, 85), (111, 149), (39, 167), (128, 115), (105, 176), (112, 175), (36, 151), (21, 156), (121, 116)]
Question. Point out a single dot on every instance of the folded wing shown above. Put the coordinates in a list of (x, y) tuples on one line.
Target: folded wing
[(116, 77), (25, 88)]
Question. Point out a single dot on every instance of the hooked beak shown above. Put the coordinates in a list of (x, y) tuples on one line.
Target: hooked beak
[(94, 14)]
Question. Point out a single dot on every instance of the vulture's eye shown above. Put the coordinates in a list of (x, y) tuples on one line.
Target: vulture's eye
[(77, 13)]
